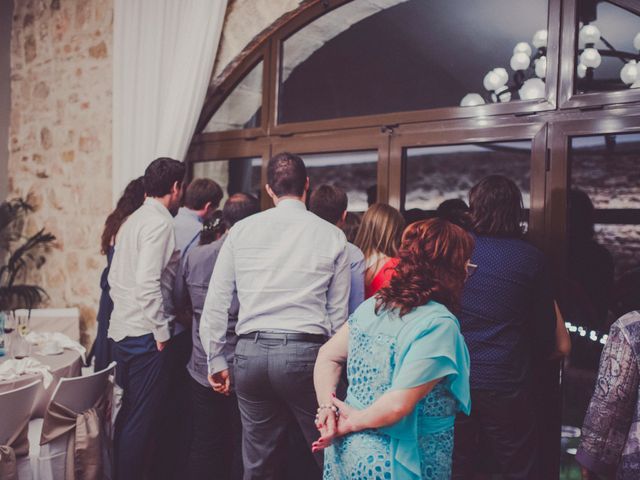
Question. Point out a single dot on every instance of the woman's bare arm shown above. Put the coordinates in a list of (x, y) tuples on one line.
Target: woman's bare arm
[(331, 358)]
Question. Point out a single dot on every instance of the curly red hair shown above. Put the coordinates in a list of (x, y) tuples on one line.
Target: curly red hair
[(433, 256)]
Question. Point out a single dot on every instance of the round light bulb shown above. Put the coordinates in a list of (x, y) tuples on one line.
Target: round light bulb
[(541, 67), (636, 42), (581, 70), (630, 72), (589, 34), (493, 80), (520, 61), (471, 100), (540, 39), (591, 58), (522, 47), (502, 72), (498, 96), (532, 89)]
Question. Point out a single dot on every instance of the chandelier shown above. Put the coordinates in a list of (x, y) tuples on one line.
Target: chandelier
[(529, 69)]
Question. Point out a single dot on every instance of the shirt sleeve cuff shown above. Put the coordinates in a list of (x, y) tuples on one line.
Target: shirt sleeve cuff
[(162, 334), (217, 364)]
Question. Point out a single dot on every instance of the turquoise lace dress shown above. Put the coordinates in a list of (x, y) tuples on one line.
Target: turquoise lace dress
[(387, 353)]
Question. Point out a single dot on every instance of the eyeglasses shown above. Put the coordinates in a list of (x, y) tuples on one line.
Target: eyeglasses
[(471, 268)]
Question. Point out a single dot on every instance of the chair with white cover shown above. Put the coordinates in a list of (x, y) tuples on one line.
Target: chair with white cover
[(16, 407), (74, 435)]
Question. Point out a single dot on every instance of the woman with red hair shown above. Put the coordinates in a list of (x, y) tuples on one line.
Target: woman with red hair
[(407, 364)]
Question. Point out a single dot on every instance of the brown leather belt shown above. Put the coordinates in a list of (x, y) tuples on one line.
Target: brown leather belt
[(285, 337)]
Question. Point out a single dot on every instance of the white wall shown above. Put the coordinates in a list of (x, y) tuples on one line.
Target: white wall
[(6, 11)]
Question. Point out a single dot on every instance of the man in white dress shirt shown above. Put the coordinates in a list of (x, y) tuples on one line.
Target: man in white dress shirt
[(141, 277), (291, 272)]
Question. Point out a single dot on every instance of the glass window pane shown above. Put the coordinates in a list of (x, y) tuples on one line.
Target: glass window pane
[(377, 57), (237, 175), (354, 172), (242, 108), (608, 44), (435, 174), (603, 281)]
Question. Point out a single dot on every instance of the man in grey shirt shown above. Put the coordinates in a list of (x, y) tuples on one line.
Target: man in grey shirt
[(330, 204), (216, 431), (291, 271)]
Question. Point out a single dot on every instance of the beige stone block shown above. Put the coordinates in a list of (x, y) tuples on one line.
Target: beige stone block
[(34, 199), (55, 199), (83, 12), (94, 262), (41, 91), (30, 52), (60, 25), (68, 156), (88, 142), (27, 20), (46, 138), (99, 50), (54, 276), (73, 263)]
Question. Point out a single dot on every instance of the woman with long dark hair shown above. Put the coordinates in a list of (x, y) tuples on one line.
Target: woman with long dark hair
[(129, 202), (407, 365)]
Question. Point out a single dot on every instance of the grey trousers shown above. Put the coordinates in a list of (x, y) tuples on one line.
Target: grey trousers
[(274, 383)]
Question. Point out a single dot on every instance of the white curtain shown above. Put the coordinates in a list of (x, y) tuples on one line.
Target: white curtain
[(162, 60)]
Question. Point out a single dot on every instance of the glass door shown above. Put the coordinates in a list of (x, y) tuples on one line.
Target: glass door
[(594, 217)]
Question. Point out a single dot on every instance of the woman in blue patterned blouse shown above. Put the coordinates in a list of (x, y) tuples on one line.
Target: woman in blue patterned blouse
[(407, 365)]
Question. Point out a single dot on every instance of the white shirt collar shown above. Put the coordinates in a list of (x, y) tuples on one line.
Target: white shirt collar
[(291, 203), (159, 207)]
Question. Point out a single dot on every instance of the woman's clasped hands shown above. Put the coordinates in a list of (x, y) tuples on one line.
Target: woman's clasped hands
[(334, 420)]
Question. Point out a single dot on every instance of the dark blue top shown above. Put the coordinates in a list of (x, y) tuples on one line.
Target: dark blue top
[(507, 316)]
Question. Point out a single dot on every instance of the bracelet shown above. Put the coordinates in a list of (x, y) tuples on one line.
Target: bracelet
[(321, 407)]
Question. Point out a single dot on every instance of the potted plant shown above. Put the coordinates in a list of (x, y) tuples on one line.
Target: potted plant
[(19, 253)]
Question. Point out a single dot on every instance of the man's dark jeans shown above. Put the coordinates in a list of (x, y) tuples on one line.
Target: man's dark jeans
[(143, 374), (502, 426), (216, 435)]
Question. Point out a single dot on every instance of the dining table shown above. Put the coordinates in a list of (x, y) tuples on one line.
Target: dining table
[(66, 364)]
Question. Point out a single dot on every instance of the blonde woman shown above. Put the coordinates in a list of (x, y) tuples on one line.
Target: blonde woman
[(379, 239)]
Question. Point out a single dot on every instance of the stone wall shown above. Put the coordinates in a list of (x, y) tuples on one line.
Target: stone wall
[(60, 131), (60, 138), (244, 20)]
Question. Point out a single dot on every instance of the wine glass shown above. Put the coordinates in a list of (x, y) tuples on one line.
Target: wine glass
[(22, 320), (9, 328), (21, 348)]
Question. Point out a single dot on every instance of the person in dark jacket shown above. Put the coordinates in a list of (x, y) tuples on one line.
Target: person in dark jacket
[(507, 319)]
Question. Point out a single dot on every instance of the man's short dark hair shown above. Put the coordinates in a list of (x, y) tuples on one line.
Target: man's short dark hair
[(496, 207), (286, 175), (329, 203), (239, 206), (161, 174), (202, 191)]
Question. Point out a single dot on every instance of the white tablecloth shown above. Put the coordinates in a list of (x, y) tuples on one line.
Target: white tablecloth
[(67, 364), (63, 320)]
